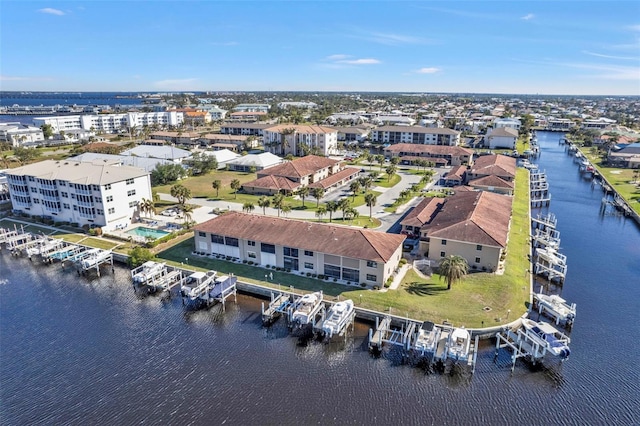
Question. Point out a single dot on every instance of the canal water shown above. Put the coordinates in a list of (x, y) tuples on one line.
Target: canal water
[(76, 350)]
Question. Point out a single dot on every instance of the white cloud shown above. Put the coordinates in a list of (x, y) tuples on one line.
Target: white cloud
[(51, 11), (600, 55), (336, 57), (634, 28), (176, 84), (528, 17), (364, 61), (428, 70)]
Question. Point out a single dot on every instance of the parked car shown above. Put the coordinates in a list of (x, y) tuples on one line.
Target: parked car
[(169, 212)]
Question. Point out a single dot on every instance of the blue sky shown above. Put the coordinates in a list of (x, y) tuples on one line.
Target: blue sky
[(545, 47)]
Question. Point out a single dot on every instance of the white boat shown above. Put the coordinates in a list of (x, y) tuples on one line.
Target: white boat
[(556, 307), (549, 339), (43, 246), (95, 258), (337, 318), (197, 284), (306, 308), (459, 344), (147, 271), (427, 338), (551, 256)]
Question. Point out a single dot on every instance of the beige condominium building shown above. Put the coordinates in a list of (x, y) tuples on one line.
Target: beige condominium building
[(347, 254)]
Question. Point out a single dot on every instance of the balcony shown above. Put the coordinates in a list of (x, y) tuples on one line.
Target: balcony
[(84, 203), (83, 191)]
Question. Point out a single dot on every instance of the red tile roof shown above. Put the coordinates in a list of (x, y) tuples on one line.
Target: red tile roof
[(303, 129), (274, 183), (334, 178), (491, 180), (423, 212), (300, 167), (331, 239), (499, 165), (429, 149), (473, 217)]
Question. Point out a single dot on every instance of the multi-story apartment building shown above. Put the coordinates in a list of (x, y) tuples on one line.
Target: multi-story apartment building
[(111, 123), (19, 134), (344, 253), (416, 134), (243, 129), (441, 155), (100, 193), (301, 140)]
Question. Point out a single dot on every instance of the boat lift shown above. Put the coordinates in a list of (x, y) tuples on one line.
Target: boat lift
[(280, 304), (344, 327), (547, 237), (385, 333), (524, 345), (551, 264), (312, 316), (555, 307), (224, 287), (544, 222), (94, 260), (66, 252)]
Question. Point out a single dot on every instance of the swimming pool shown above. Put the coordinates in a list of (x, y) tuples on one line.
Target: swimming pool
[(141, 231)]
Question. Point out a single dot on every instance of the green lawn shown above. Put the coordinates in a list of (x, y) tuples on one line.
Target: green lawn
[(620, 179), (418, 298), (361, 221), (386, 182)]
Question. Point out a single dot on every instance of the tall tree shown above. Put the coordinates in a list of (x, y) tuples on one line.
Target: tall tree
[(321, 211), (343, 205), (264, 202), (391, 169), (452, 269), (370, 159), (181, 193), (278, 201), (317, 193), (248, 207), (235, 185), (355, 188), (302, 193), (286, 209), (370, 199), (351, 213), (332, 207), (217, 184), (187, 210), (380, 160)]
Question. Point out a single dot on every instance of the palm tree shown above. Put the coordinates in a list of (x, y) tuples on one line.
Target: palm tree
[(278, 201), (351, 213), (331, 207), (370, 199), (380, 160), (395, 161), (365, 182), (321, 211), (187, 209), (302, 193), (216, 184), (181, 193), (317, 193), (343, 205), (355, 188), (370, 158), (235, 185), (264, 202), (453, 268), (248, 207), (391, 169), (147, 206), (286, 209)]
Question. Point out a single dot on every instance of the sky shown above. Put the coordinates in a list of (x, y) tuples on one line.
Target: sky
[(542, 47)]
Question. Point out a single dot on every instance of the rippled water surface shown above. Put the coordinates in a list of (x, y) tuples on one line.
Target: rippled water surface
[(78, 350)]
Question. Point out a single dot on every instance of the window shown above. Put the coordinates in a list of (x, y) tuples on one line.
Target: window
[(308, 265), (109, 198), (131, 192), (477, 260), (34, 189), (332, 271), (64, 194), (350, 274), (267, 248), (479, 247), (308, 253), (230, 241), (129, 181), (443, 254), (112, 210), (99, 211), (217, 239), (107, 186), (62, 183), (133, 203), (95, 187), (201, 234), (36, 201), (288, 251), (444, 242), (66, 206), (372, 264), (251, 254), (372, 277), (251, 243), (291, 263)]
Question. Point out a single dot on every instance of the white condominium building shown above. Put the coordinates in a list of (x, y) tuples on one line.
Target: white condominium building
[(301, 140), (90, 193), (416, 134), (111, 123)]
